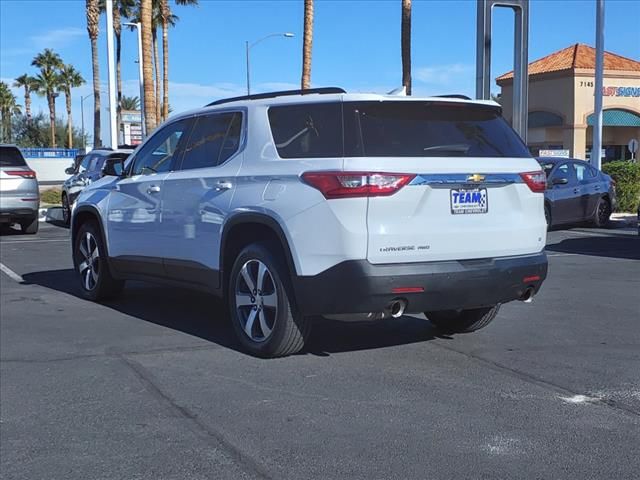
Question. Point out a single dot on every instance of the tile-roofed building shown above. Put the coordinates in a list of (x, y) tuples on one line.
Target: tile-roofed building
[(561, 102)]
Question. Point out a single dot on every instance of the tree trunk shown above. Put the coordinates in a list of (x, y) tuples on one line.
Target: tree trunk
[(27, 103), (405, 42), (147, 65), (156, 75), (69, 121), (52, 118), (165, 67), (117, 31), (97, 141), (307, 44), (119, 82)]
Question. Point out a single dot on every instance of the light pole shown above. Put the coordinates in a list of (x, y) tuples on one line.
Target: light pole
[(138, 27), (249, 46)]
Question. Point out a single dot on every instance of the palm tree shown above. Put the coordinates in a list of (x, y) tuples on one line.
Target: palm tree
[(405, 42), (167, 20), (8, 107), (69, 78), (130, 103), (93, 28), (146, 19), (28, 83), (307, 44), (47, 82)]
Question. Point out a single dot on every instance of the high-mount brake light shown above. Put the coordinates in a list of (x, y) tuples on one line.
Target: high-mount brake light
[(357, 184)]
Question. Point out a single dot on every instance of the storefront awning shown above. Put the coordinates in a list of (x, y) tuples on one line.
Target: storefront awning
[(616, 118)]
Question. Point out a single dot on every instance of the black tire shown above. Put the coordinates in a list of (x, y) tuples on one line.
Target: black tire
[(30, 226), (603, 213), (66, 210), (101, 285), (463, 321), (289, 329), (547, 216)]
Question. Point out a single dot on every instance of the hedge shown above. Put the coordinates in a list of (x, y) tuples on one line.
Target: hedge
[(627, 177)]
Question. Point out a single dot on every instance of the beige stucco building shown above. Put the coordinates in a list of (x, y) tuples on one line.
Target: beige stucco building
[(561, 102)]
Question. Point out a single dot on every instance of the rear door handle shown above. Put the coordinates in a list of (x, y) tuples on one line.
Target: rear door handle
[(576, 190), (223, 185), (153, 189)]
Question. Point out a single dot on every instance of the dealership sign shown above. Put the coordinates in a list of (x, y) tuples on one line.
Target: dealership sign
[(621, 91)]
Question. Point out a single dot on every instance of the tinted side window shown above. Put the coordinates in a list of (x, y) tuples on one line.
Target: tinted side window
[(308, 130), (158, 153), (214, 139), (86, 162), (565, 171), (582, 172), (428, 129), (11, 157)]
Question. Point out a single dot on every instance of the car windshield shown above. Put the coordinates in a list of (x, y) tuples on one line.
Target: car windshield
[(11, 157), (547, 167)]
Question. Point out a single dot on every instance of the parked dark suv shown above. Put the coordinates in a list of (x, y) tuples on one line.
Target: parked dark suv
[(88, 170), (577, 192)]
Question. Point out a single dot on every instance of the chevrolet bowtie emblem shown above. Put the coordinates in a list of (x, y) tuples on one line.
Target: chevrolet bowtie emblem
[(476, 177)]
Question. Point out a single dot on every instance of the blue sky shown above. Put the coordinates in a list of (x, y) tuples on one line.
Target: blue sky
[(356, 44)]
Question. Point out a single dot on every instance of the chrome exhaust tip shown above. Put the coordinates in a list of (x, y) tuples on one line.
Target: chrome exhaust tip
[(527, 296), (396, 307)]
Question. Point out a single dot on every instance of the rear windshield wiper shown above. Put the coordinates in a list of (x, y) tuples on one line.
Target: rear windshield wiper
[(458, 148)]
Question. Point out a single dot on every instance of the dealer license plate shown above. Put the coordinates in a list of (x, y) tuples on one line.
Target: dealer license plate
[(469, 200)]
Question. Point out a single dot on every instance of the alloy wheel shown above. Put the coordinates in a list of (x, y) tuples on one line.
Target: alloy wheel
[(89, 261), (66, 210), (256, 302), (603, 212)]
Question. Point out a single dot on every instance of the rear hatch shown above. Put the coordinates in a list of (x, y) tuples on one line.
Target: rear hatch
[(449, 181), (17, 180)]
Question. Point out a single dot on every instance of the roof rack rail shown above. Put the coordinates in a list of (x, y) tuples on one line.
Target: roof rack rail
[(455, 95), (284, 93)]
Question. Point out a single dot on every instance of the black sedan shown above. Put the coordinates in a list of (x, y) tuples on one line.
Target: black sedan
[(577, 192)]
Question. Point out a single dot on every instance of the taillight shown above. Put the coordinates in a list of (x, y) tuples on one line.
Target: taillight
[(537, 181), (356, 184), (21, 173)]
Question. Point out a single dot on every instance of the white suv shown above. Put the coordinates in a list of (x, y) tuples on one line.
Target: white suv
[(325, 203)]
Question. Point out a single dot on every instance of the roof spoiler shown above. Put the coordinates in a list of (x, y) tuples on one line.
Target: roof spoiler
[(284, 93)]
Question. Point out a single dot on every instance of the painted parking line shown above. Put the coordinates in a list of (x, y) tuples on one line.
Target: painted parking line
[(9, 242), (11, 274)]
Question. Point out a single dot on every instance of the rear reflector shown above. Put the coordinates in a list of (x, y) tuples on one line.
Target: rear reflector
[(29, 199), (532, 278), (537, 181), (356, 184), (21, 173), (407, 290)]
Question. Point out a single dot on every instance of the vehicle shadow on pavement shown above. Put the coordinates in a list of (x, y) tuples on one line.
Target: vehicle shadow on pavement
[(627, 246), (205, 317)]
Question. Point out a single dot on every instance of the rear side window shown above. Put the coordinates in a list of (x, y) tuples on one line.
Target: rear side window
[(308, 130), (11, 157), (428, 129), (214, 139)]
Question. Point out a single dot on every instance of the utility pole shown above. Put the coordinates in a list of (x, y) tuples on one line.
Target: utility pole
[(596, 149), (113, 108)]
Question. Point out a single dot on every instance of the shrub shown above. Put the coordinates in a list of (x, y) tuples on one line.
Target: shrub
[(51, 196), (627, 177)]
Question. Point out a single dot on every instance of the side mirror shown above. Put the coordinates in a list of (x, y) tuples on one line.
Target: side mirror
[(113, 167), (70, 170), (560, 181)]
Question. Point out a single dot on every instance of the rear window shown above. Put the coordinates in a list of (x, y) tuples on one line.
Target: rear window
[(11, 157), (393, 129)]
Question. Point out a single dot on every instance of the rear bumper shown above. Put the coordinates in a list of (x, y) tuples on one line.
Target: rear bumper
[(358, 286), (16, 214)]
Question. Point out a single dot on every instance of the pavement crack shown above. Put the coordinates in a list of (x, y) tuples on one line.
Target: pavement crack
[(242, 459), (527, 377)]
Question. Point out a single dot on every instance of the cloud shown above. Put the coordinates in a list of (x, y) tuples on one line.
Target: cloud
[(443, 74), (58, 38)]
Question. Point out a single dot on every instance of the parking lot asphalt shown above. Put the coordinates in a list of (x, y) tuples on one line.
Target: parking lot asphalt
[(153, 386)]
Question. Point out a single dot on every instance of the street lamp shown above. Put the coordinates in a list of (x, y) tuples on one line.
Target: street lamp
[(138, 26), (250, 46)]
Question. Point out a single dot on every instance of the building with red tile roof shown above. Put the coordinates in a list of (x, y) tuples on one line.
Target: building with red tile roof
[(561, 102)]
